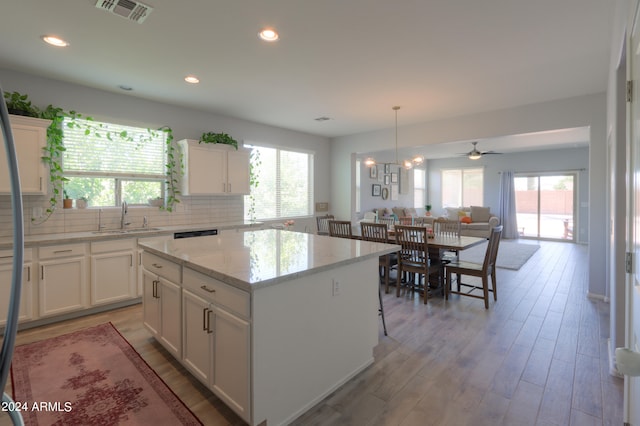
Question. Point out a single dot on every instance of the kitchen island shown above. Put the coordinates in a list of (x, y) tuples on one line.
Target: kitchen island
[(271, 321)]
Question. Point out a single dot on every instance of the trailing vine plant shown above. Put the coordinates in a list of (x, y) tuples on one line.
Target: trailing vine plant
[(254, 181), (54, 149), (223, 138)]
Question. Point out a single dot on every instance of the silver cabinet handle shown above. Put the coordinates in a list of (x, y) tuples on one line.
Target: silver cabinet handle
[(204, 319), (155, 265), (62, 251), (209, 330), (205, 288)]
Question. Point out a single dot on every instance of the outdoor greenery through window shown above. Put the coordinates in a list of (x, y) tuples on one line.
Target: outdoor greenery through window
[(462, 187), (109, 163), (285, 184)]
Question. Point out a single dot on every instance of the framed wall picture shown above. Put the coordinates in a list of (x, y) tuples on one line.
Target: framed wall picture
[(387, 168), (373, 172), (375, 190), (387, 178), (385, 193), (394, 178), (394, 192)]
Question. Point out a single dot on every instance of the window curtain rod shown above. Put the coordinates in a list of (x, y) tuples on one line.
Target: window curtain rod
[(550, 171)]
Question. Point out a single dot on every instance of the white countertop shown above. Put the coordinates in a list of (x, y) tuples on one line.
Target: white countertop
[(110, 234), (253, 259)]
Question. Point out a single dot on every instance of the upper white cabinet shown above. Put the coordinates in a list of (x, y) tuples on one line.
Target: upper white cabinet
[(214, 169), (30, 136)]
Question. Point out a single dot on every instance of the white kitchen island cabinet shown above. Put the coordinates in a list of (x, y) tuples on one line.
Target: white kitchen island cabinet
[(273, 321)]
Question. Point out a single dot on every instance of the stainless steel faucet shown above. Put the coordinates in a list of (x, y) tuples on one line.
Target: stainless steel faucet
[(123, 216)]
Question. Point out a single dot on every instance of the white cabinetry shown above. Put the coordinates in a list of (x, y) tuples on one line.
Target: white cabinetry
[(113, 271), (30, 136), (216, 344), (161, 298), (26, 293), (63, 279), (214, 169)]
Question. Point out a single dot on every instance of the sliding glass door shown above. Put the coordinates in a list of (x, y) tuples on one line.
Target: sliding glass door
[(545, 205)]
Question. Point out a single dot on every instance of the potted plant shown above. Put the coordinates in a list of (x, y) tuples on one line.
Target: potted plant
[(428, 209), (81, 202), (67, 202), (222, 138), (19, 104)]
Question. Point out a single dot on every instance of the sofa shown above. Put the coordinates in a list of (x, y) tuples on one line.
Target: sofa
[(476, 221)]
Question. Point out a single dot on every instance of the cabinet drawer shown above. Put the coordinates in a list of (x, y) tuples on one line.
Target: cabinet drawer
[(162, 267), (217, 292), (63, 250), (6, 256), (113, 245)]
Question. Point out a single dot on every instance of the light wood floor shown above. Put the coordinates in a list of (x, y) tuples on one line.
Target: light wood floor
[(536, 357)]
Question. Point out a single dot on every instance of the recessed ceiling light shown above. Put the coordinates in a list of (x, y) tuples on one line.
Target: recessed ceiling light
[(55, 41), (268, 34), (192, 79)]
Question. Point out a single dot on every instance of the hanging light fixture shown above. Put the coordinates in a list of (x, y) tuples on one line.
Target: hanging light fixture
[(406, 163)]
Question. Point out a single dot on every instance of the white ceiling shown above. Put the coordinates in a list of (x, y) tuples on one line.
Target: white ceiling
[(350, 60)]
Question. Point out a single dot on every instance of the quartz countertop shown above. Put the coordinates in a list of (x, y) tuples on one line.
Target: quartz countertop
[(6, 242), (251, 260)]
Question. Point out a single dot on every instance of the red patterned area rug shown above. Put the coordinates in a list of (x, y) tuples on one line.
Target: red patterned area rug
[(92, 377)]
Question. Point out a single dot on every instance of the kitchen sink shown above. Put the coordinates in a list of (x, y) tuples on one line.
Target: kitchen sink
[(125, 231)]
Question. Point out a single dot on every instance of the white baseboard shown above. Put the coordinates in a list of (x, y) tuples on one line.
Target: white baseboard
[(594, 296), (613, 370)]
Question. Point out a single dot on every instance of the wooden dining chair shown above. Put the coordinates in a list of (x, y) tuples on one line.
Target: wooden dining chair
[(413, 258), (447, 228), (322, 223), (377, 232), (388, 220), (405, 220), (488, 267), (340, 228)]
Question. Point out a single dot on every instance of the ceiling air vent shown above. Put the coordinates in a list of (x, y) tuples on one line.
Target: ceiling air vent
[(131, 10)]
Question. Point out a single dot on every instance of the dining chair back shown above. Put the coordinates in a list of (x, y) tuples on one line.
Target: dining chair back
[(484, 270), (340, 228), (446, 228), (388, 220), (413, 258), (405, 220), (322, 223)]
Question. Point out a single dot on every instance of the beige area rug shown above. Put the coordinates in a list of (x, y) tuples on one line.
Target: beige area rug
[(92, 377), (511, 254)]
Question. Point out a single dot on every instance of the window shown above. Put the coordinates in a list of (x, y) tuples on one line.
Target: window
[(419, 188), (110, 163), (285, 184), (462, 187), (358, 171)]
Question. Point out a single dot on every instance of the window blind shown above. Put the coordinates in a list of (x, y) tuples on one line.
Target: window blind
[(113, 150)]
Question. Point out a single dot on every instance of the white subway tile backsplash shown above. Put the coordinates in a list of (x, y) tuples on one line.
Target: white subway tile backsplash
[(190, 211)]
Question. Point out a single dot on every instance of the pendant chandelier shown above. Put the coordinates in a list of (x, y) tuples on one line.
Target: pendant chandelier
[(406, 163)]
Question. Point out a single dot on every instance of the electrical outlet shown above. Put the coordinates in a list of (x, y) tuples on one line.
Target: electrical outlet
[(335, 287)]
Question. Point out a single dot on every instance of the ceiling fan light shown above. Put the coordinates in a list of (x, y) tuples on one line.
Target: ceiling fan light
[(475, 156), (369, 162), (407, 164)]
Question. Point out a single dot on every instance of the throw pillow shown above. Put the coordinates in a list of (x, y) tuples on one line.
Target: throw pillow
[(465, 219), (480, 214), (411, 211), (452, 212)]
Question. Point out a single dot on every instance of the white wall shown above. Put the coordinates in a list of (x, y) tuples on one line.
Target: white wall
[(186, 123), (588, 110)]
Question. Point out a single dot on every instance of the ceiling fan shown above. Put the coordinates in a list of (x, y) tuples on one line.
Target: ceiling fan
[(474, 154)]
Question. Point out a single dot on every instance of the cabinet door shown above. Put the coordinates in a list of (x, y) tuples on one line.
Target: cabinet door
[(197, 329), (29, 141), (62, 285), (112, 277), (150, 303), (206, 171), (26, 293), (238, 172), (170, 314), (231, 361)]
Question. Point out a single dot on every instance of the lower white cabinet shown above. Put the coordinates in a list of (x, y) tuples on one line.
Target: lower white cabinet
[(63, 279), (216, 350), (162, 311), (113, 271), (26, 292)]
